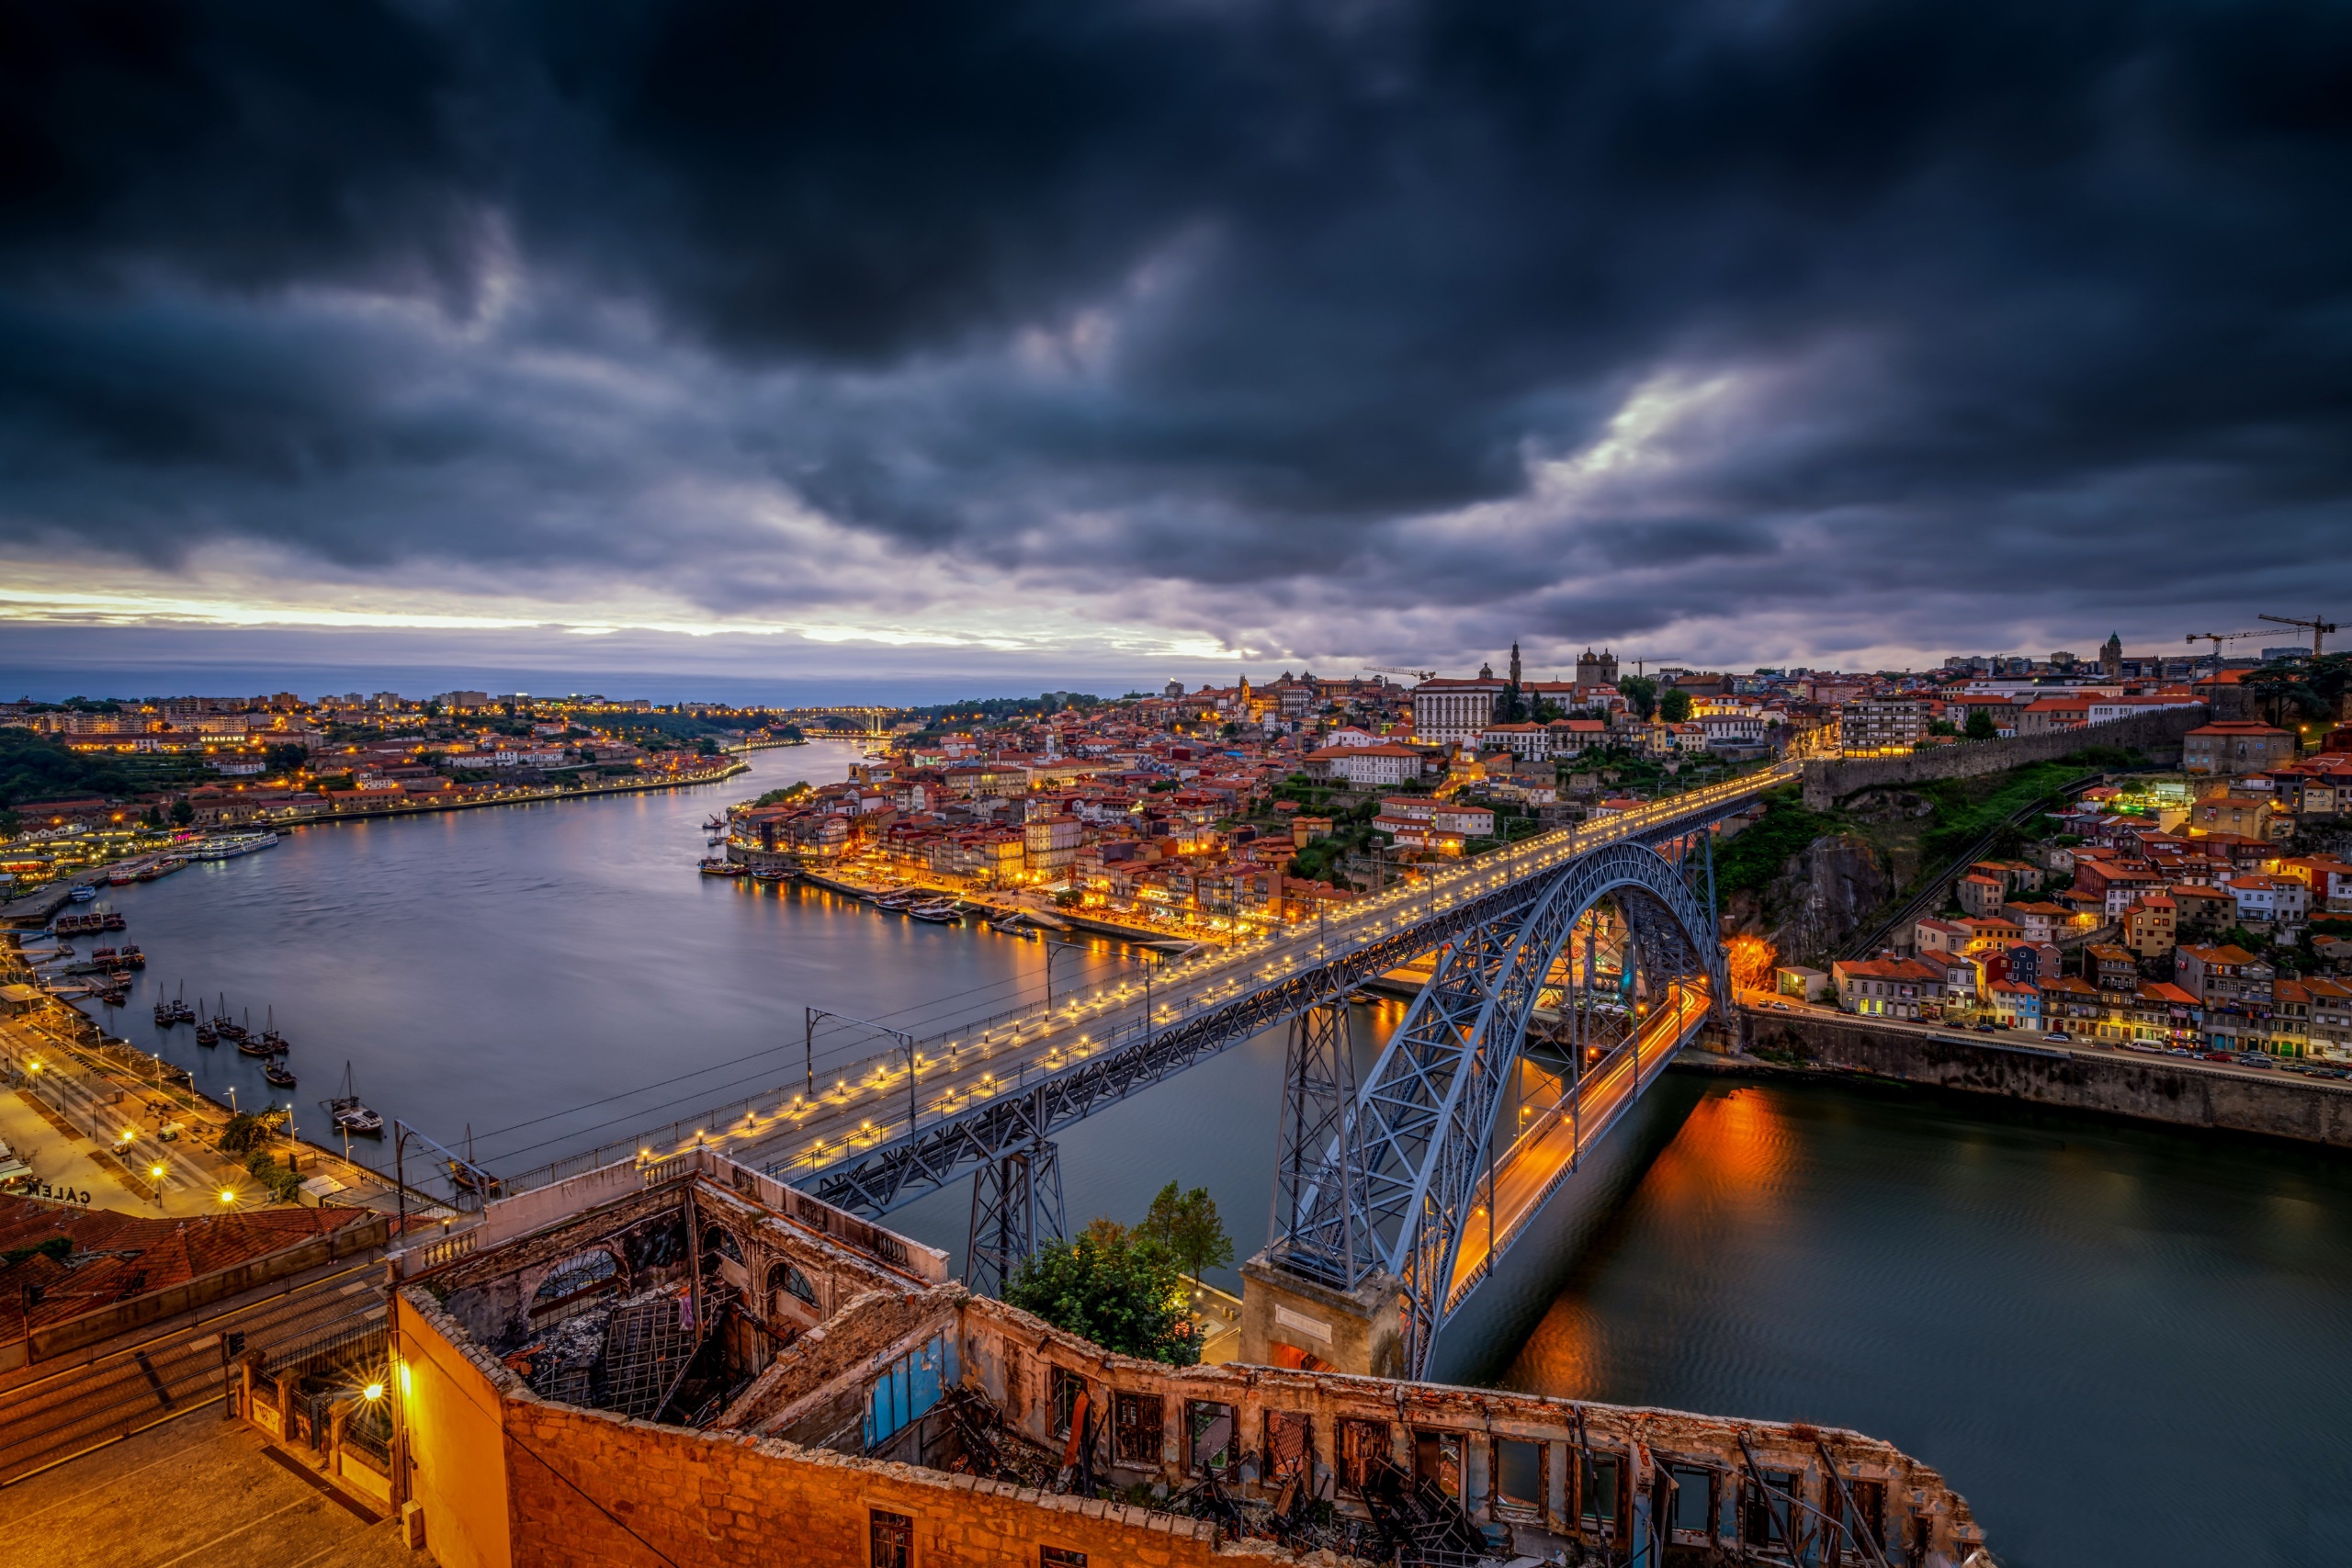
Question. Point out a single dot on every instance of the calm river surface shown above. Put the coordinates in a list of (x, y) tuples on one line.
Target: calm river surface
[(2124, 1346)]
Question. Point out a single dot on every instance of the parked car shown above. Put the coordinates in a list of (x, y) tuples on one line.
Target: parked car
[(2216, 1057), (1986, 1029), (1781, 1007), (2251, 1059)]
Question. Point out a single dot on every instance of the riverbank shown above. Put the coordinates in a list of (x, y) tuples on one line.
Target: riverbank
[(2168, 1091), (32, 911)]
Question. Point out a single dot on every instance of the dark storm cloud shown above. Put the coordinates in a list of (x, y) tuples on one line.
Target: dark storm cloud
[(2010, 311)]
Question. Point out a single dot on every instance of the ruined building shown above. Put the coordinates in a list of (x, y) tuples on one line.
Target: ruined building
[(684, 1362)]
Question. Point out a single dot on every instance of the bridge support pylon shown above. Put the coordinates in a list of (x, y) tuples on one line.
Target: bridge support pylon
[(1288, 1320), (1016, 1208)]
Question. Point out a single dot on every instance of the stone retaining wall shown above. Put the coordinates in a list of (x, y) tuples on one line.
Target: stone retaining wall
[(2157, 734), (2147, 1089)]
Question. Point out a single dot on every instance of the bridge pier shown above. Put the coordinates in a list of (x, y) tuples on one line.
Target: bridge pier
[(1288, 1320), (1016, 1206)]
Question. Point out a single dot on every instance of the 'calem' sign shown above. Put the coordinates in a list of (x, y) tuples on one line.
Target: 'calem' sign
[(56, 1194)]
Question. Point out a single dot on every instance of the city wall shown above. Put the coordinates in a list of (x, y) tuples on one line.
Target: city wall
[(2157, 734), (2150, 1089)]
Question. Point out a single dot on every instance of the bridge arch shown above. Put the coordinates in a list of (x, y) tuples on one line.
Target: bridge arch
[(1394, 1189)]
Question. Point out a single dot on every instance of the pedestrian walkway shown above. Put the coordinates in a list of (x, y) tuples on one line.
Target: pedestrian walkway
[(193, 1493)]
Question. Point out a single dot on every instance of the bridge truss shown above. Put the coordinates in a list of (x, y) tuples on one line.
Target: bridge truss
[(1398, 1176), (1415, 1130)]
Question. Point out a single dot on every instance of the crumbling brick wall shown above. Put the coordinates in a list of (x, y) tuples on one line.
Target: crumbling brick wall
[(593, 1491)]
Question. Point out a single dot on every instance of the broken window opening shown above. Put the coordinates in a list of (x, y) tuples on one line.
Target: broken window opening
[(908, 1388), (1694, 1505), (1135, 1422), (1600, 1489), (1059, 1556), (891, 1537), (785, 1277), (1437, 1459), (1363, 1448), (1064, 1389), (1769, 1510), (590, 1275), (1290, 1446), (1519, 1476), (1870, 1507), (1211, 1425)]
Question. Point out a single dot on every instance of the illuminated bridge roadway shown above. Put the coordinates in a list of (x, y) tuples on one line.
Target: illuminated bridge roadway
[(1408, 1189)]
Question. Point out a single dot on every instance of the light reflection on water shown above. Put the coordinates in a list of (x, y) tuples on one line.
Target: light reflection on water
[(2123, 1344)]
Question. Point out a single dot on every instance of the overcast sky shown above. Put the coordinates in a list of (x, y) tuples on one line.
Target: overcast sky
[(978, 343)]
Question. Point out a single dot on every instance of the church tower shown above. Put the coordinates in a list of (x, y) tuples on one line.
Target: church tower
[(1514, 662), (2110, 656)]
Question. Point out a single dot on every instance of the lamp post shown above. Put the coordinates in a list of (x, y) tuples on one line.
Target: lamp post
[(1055, 950)]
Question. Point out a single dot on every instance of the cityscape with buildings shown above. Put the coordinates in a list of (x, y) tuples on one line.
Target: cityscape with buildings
[(1420, 785)]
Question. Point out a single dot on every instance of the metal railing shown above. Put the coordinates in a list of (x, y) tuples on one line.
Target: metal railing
[(1369, 922)]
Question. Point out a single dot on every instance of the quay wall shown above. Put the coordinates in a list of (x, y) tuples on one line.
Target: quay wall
[(2150, 1089), (2158, 734)]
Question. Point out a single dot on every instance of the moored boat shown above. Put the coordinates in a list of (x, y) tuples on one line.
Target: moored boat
[(229, 846), (82, 893), (277, 1074), (938, 911), (350, 1115), (714, 866), (121, 876)]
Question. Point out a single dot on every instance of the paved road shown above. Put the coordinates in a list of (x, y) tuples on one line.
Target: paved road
[(868, 1104), (1538, 1159), (49, 1416), (2029, 1040)]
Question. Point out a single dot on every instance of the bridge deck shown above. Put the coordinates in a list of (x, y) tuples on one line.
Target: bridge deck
[(866, 1110), (1548, 1152)]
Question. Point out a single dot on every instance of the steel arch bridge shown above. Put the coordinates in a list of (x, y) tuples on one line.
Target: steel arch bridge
[(1385, 1178)]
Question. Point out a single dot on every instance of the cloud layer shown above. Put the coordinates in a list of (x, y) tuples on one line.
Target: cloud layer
[(1379, 330)]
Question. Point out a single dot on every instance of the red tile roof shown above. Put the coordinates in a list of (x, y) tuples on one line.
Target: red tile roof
[(117, 1255)]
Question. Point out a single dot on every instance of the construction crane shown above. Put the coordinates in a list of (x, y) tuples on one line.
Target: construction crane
[(2217, 639), (1432, 674), (2317, 627)]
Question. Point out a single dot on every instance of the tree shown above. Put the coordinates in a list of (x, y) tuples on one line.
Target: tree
[(285, 759), (1123, 1293), (182, 813), (1980, 725), (1186, 1223), (1675, 705), (1640, 692)]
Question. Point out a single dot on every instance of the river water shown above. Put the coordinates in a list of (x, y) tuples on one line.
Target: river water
[(2124, 1346)]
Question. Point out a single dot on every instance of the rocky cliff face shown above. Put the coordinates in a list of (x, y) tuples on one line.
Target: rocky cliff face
[(1820, 898)]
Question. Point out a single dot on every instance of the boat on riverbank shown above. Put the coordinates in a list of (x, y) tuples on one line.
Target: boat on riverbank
[(713, 866), (83, 894), (350, 1115), (162, 868), (938, 911), (229, 846), (277, 1074)]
